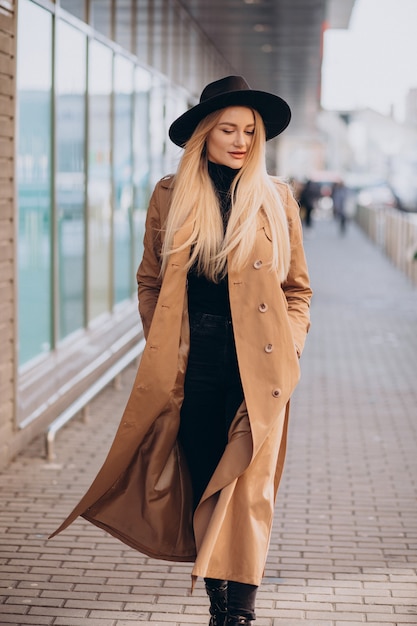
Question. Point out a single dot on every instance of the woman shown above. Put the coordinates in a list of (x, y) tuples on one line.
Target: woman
[(224, 297)]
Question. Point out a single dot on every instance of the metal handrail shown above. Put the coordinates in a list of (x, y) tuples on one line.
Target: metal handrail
[(82, 401)]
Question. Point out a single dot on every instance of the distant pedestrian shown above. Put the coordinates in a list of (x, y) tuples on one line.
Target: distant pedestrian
[(307, 199), (340, 198)]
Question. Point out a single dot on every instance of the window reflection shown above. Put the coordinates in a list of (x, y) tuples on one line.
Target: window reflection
[(175, 104), (101, 16), (76, 7), (99, 179), (141, 159), (34, 179), (124, 24), (143, 21), (70, 177), (157, 130), (122, 177)]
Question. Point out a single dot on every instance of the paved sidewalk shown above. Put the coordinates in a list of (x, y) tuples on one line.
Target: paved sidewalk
[(344, 545)]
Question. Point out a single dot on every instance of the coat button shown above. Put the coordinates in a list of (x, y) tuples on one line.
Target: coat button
[(258, 264), (276, 393), (268, 348), (263, 307)]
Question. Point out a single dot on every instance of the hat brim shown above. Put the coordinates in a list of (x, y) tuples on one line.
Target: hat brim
[(275, 112)]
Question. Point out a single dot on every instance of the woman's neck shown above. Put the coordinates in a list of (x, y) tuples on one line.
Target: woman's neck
[(221, 175)]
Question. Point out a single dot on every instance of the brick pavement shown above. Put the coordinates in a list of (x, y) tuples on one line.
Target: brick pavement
[(344, 544)]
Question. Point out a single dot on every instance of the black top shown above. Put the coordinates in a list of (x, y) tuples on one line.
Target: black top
[(205, 296)]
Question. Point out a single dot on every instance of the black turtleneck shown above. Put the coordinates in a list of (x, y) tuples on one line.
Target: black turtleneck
[(205, 296), (222, 177)]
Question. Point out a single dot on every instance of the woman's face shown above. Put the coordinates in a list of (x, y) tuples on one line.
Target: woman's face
[(228, 142)]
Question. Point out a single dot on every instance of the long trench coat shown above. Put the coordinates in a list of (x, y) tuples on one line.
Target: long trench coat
[(142, 493)]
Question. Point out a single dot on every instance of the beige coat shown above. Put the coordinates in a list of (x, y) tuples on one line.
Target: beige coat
[(142, 493)]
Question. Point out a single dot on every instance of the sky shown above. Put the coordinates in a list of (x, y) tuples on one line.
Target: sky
[(374, 62)]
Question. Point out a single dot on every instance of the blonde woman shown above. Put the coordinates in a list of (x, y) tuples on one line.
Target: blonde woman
[(224, 298)]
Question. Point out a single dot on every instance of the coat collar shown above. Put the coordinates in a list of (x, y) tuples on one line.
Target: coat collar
[(167, 181)]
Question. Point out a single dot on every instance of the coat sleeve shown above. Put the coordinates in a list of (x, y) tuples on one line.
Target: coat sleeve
[(148, 275), (296, 287)]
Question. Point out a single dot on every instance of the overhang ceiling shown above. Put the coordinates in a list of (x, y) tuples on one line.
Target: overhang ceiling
[(275, 44)]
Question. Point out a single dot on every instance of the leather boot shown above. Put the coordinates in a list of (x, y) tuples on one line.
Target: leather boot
[(218, 604), (238, 620)]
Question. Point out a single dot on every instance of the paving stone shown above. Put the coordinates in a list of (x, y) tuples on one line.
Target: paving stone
[(344, 542)]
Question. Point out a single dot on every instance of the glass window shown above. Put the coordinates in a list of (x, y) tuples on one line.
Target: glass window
[(99, 179), (101, 16), (168, 35), (122, 179), (178, 48), (34, 115), (141, 159), (158, 137), (175, 105), (194, 62), (124, 24), (157, 31), (75, 7), (70, 175), (187, 55), (142, 30)]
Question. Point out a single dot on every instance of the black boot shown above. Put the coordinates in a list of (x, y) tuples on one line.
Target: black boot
[(238, 620), (241, 599), (218, 603)]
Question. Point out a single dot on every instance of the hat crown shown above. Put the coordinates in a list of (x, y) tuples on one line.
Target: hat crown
[(229, 92), (224, 85)]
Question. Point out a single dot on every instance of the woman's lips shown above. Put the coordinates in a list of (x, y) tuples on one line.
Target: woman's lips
[(238, 155)]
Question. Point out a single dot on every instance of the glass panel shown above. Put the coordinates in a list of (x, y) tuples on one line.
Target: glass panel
[(124, 23), (122, 179), (157, 130), (175, 105), (158, 45), (177, 66), (141, 158), (168, 40), (34, 179), (101, 16), (99, 179), (75, 7), (70, 175), (194, 82), (142, 30)]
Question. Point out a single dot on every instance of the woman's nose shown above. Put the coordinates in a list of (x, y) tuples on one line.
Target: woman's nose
[(239, 139)]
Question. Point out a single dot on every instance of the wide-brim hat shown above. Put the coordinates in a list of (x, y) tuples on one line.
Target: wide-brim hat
[(232, 91)]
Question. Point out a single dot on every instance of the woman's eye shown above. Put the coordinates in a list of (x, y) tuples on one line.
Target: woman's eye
[(250, 132), (228, 132)]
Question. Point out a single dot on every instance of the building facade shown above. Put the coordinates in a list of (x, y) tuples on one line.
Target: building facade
[(88, 89)]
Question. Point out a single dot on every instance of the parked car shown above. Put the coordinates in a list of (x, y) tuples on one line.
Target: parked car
[(407, 196), (378, 195), (385, 195)]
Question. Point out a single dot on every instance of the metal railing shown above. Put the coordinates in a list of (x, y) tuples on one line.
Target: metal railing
[(81, 403), (395, 232)]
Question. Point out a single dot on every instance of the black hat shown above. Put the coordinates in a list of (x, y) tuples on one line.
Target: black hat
[(232, 91)]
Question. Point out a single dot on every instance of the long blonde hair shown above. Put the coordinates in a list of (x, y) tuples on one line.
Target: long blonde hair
[(252, 188)]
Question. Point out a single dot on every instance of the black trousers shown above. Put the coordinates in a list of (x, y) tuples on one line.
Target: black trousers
[(212, 394)]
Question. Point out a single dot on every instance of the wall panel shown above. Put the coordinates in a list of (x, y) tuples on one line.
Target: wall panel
[(7, 285)]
